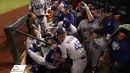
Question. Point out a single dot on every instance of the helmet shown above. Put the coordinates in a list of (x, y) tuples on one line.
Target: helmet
[(60, 30)]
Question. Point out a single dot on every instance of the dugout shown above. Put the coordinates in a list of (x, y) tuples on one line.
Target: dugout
[(16, 34), (14, 29)]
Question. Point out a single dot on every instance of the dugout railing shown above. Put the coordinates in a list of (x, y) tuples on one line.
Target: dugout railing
[(9, 29), (11, 38)]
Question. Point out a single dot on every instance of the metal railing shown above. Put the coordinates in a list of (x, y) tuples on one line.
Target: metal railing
[(11, 39)]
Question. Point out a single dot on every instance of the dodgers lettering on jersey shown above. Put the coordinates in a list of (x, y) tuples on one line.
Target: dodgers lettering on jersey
[(98, 45), (86, 27), (72, 47)]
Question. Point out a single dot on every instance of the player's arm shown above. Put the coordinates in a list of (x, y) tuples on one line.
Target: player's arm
[(89, 14), (64, 54), (37, 58)]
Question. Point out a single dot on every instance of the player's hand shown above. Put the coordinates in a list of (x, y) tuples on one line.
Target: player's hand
[(84, 5), (108, 36), (57, 64), (33, 15), (43, 44), (100, 60), (116, 63), (54, 46)]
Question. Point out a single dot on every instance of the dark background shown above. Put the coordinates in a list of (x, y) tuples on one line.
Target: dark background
[(121, 7)]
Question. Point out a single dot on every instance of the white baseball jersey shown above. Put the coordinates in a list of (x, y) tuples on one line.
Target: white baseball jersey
[(38, 7), (72, 47), (72, 31)]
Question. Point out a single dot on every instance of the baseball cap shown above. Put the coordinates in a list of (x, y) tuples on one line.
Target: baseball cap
[(125, 31), (125, 26), (60, 30), (66, 6)]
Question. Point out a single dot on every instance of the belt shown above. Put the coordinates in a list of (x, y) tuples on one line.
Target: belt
[(41, 16), (83, 57)]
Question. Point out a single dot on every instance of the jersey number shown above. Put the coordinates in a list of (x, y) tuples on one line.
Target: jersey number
[(77, 45)]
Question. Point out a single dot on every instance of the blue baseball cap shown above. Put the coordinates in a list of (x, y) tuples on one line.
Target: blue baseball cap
[(60, 30), (66, 6)]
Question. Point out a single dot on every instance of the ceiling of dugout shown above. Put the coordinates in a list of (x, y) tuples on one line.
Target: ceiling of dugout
[(121, 7)]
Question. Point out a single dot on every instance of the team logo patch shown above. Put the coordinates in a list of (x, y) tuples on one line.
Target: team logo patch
[(115, 46)]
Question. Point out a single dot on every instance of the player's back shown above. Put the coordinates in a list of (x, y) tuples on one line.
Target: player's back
[(73, 47)]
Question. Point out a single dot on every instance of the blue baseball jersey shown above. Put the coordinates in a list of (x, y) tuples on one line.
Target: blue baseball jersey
[(109, 25), (68, 16), (120, 50)]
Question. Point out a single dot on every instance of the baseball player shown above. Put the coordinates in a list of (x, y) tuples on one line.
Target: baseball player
[(71, 29), (67, 14), (110, 24), (56, 7), (120, 52), (86, 27), (30, 42), (38, 9), (72, 48), (48, 61), (97, 46)]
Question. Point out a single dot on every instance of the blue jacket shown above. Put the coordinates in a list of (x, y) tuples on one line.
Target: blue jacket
[(109, 28), (69, 16), (50, 56), (120, 54)]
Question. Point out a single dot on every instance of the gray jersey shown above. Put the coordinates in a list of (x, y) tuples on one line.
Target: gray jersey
[(73, 48), (98, 44), (96, 47), (38, 6), (41, 60), (86, 28)]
